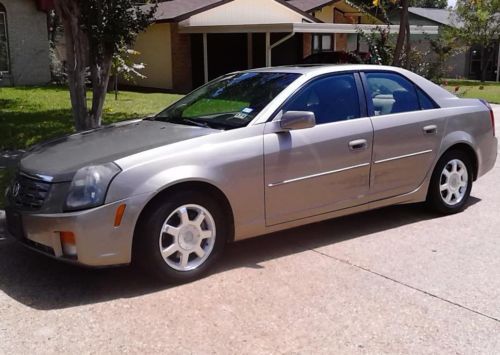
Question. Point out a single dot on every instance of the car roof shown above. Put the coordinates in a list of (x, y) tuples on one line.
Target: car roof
[(318, 69), (438, 94)]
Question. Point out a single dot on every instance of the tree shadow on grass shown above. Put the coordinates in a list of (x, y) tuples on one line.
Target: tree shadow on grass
[(7, 104), (42, 283)]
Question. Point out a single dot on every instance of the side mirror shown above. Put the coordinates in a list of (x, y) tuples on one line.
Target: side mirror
[(292, 120)]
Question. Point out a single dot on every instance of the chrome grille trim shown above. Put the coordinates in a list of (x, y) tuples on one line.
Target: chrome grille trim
[(28, 193)]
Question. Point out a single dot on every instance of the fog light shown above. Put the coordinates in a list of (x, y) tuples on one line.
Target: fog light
[(68, 243)]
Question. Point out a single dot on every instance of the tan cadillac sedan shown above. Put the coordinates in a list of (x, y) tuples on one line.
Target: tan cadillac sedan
[(250, 153)]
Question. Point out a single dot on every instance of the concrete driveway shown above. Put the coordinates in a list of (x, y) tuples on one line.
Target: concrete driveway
[(396, 280)]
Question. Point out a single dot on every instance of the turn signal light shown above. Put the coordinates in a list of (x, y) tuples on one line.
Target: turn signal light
[(68, 243), (120, 211)]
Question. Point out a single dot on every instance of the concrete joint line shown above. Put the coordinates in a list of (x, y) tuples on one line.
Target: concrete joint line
[(408, 286)]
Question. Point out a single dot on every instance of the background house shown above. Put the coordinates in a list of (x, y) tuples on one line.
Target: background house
[(193, 41), (466, 64), (24, 45)]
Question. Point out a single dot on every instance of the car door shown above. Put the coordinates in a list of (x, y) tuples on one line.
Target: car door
[(408, 128), (324, 168)]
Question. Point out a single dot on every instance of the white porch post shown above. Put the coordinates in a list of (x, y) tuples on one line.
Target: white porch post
[(250, 50), (205, 57), (268, 50)]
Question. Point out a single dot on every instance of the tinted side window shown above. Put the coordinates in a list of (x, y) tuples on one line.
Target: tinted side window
[(391, 93), (334, 98), (425, 102)]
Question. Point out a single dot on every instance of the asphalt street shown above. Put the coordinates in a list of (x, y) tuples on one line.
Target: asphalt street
[(394, 280)]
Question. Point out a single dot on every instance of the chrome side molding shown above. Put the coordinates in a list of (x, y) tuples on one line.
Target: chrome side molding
[(403, 156), (318, 175)]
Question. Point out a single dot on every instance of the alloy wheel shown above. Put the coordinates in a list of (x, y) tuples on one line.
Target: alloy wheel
[(187, 237), (454, 182)]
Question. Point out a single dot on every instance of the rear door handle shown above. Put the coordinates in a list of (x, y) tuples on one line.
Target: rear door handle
[(358, 144), (432, 129)]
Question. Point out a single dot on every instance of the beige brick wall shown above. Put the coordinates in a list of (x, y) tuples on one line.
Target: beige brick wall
[(154, 46), (28, 43)]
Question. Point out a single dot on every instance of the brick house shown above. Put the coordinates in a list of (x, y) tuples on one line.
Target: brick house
[(193, 41), (24, 45)]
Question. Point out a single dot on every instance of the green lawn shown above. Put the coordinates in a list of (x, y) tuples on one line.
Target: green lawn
[(489, 91), (32, 115)]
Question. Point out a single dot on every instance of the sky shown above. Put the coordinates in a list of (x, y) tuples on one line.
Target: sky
[(452, 2)]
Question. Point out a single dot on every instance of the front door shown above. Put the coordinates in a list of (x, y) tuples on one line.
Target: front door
[(321, 169), (408, 129)]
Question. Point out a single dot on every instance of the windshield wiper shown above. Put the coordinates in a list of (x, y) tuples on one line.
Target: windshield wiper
[(186, 121), (195, 123)]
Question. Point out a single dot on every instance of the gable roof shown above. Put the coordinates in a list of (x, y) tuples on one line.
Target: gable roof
[(442, 16), (310, 5), (179, 10)]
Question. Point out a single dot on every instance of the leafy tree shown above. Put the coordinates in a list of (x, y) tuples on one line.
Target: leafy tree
[(434, 4), (123, 66), (381, 45), (95, 30), (443, 46), (402, 45), (477, 22)]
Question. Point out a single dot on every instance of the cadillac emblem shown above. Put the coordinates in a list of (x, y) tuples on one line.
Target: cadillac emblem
[(16, 188)]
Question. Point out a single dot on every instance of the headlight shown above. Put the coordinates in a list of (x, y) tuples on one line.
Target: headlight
[(89, 186)]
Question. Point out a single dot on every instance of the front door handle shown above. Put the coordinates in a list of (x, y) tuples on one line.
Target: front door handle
[(358, 144), (432, 129)]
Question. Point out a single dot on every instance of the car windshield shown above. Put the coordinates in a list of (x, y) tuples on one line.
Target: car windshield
[(229, 102)]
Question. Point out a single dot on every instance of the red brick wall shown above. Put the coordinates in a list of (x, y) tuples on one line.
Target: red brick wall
[(307, 45), (341, 38), (181, 60)]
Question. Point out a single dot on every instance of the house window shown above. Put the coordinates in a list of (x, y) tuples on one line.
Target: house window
[(4, 44), (322, 43)]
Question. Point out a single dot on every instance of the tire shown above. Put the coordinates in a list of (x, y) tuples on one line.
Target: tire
[(449, 194), (164, 227)]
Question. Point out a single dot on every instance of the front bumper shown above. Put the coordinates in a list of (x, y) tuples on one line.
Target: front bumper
[(98, 242)]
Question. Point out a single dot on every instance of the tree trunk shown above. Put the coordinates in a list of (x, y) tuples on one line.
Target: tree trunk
[(408, 45), (100, 73), (116, 86), (403, 20), (76, 53)]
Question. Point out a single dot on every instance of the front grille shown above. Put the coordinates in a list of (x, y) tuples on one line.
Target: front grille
[(28, 193)]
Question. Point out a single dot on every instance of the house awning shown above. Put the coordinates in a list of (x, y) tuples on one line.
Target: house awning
[(303, 28)]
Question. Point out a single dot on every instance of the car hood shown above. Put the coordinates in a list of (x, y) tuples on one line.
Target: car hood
[(59, 159)]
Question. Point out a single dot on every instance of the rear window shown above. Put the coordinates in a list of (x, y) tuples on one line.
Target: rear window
[(391, 93), (425, 102)]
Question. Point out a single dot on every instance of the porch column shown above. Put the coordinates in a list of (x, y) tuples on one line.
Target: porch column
[(268, 50), (205, 57), (358, 37)]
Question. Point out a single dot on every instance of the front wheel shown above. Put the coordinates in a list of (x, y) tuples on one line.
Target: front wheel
[(179, 239), (451, 183)]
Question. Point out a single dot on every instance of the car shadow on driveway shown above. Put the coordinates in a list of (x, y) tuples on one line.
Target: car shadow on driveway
[(44, 284)]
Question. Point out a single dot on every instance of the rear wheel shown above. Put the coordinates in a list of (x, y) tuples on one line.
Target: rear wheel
[(179, 239), (451, 183)]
